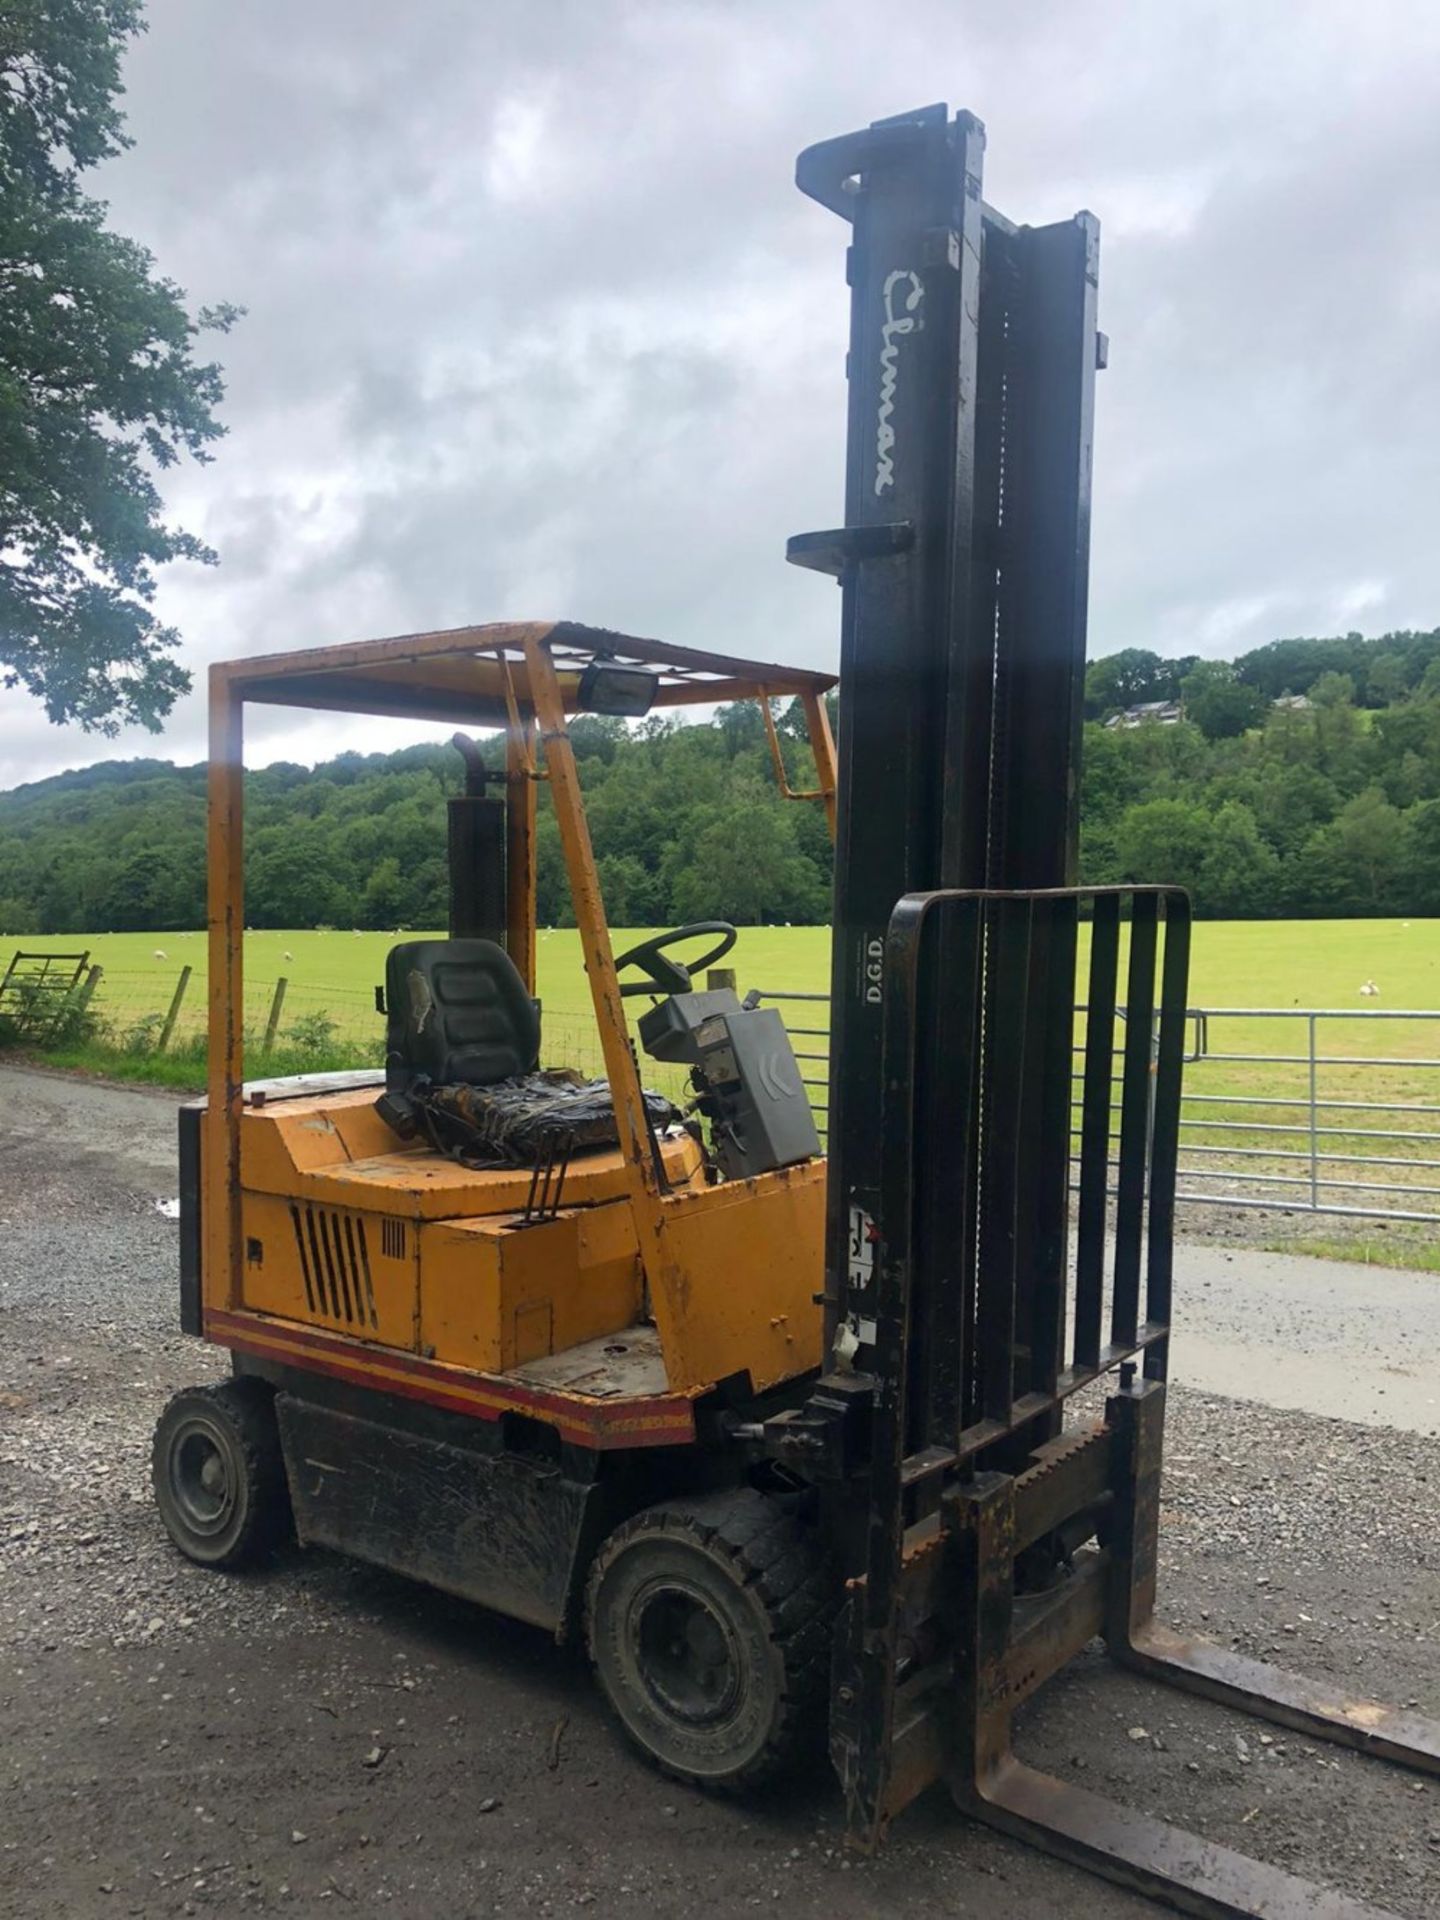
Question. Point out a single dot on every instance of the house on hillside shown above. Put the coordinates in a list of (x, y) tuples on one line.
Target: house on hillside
[(1293, 703), (1156, 713)]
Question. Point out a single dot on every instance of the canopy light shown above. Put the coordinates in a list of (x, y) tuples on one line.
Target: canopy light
[(626, 693)]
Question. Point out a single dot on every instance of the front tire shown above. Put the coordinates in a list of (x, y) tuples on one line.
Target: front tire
[(218, 1475), (709, 1623)]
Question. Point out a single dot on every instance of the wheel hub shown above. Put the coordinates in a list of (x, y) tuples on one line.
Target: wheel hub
[(200, 1478), (686, 1653)]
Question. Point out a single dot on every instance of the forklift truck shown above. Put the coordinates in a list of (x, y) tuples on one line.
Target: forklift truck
[(791, 1440)]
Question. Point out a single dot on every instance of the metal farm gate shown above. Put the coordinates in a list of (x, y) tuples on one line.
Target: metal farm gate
[(1324, 1110)]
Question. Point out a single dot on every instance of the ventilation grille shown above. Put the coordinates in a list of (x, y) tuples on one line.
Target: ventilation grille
[(393, 1239), (336, 1264)]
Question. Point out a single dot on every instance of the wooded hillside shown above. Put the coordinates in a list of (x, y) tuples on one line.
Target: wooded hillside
[(1328, 806)]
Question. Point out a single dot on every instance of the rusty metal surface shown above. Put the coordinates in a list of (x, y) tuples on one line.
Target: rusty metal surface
[(627, 1364), (521, 781), (1069, 1475), (822, 747), (1049, 1629), (464, 672), (220, 1152), (1314, 1707), (1187, 1873), (620, 1068)]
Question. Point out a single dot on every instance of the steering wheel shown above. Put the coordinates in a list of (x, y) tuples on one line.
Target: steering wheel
[(674, 976)]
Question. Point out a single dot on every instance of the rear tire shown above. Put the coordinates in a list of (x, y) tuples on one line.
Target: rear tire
[(709, 1623), (218, 1475)]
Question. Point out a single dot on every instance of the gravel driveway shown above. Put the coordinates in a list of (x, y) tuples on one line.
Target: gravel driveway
[(179, 1742)]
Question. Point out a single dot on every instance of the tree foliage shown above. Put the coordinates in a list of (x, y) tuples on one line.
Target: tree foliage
[(1132, 678), (1218, 701), (1281, 810), (100, 389), (686, 820), (1320, 809)]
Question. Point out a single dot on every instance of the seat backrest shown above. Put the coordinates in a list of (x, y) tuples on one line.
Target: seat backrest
[(457, 1013)]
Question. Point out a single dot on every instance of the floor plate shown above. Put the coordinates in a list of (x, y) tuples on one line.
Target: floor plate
[(624, 1365)]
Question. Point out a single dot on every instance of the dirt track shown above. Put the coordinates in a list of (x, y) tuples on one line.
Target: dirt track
[(178, 1742)]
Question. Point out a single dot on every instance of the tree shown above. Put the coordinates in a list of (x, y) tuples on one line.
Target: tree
[(16, 916), (1320, 809), (384, 894), (99, 386), (1218, 703), (629, 891), (1358, 860), (1289, 801), (746, 867), (1387, 680), (1292, 666), (290, 884), (1238, 871), (1422, 857), (1127, 678), (1333, 690), (1164, 842)]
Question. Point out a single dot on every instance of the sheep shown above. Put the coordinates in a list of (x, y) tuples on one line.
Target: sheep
[(160, 954), (287, 955), (1370, 990)]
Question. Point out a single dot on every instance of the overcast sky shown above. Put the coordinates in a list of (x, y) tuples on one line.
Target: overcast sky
[(539, 326)]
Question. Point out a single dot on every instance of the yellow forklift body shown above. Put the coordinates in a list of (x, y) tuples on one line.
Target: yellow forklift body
[(411, 1250), (327, 1242)]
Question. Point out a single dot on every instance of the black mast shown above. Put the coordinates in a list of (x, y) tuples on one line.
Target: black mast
[(963, 564)]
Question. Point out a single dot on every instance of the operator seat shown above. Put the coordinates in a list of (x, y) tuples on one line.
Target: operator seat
[(462, 1062), (457, 1014)]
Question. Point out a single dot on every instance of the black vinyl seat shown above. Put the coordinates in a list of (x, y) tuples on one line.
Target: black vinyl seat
[(462, 1063), (457, 1014)]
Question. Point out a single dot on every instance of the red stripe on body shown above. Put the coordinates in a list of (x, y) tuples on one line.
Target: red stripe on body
[(658, 1420)]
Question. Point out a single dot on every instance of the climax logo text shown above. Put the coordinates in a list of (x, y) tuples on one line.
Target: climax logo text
[(902, 285)]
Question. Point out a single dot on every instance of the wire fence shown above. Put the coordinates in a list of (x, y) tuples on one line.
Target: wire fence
[(140, 1011)]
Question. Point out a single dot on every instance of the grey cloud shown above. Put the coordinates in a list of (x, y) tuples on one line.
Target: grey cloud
[(538, 323)]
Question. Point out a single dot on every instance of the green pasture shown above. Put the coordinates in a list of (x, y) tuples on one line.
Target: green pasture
[(349, 966), (1232, 1120), (1249, 963), (1255, 963), (1235, 1122)]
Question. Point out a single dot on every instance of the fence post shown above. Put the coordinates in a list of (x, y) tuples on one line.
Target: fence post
[(272, 1025), (1314, 1137), (176, 1000), (85, 993), (720, 977)]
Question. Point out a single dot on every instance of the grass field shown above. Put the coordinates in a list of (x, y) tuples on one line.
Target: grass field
[(1279, 965), (345, 968), (1253, 963), (331, 978), (1236, 1134)]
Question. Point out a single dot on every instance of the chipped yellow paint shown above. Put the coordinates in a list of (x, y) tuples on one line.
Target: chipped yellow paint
[(734, 1278)]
